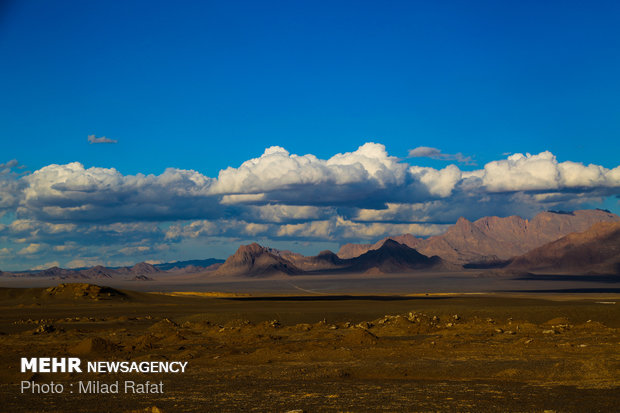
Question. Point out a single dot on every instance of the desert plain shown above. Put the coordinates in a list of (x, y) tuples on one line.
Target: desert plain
[(295, 346)]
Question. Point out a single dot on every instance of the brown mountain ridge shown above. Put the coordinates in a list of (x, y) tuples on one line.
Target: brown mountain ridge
[(255, 260), (595, 251), (493, 239)]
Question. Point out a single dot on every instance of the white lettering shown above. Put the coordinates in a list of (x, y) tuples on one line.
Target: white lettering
[(29, 365)]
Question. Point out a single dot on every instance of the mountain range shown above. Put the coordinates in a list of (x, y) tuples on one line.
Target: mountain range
[(585, 241), (595, 251), (392, 257), (139, 272), (492, 240)]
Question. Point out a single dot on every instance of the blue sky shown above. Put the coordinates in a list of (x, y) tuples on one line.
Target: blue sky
[(204, 86)]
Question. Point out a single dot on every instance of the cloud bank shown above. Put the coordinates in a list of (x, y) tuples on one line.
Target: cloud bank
[(360, 195)]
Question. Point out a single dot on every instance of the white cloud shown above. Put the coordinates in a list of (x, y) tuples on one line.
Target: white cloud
[(314, 229), (278, 170), (223, 227), (440, 182), (356, 230), (140, 249), (46, 266), (365, 194), (84, 262), (10, 186), (93, 139), (286, 213), (283, 187), (31, 249), (543, 172), (434, 153), (336, 228), (72, 192)]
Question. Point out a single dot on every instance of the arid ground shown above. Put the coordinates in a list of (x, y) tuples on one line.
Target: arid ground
[(422, 352)]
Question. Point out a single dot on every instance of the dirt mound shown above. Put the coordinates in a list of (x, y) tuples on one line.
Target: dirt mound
[(557, 320), (143, 342), (173, 338), (94, 345), (359, 337), (165, 326), (83, 291)]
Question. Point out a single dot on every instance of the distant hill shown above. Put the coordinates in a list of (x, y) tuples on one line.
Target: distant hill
[(596, 250), (190, 263), (487, 242), (139, 272), (255, 260), (492, 239), (392, 257)]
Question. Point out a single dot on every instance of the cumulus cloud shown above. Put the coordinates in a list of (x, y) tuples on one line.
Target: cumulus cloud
[(10, 164), (223, 227), (283, 187), (434, 153), (335, 228), (278, 176), (93, 139), (46, 266), (11, 186), (31, 249), (140, 249), (543, 172), (74, 193), (84, 262), (285, 213)]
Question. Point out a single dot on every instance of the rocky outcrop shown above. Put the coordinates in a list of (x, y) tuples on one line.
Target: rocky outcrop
[(491, 239), (255, 260), (596, 250), (392, 257)]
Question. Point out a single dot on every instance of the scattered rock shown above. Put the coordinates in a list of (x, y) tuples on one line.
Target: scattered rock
[(44, 329)]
